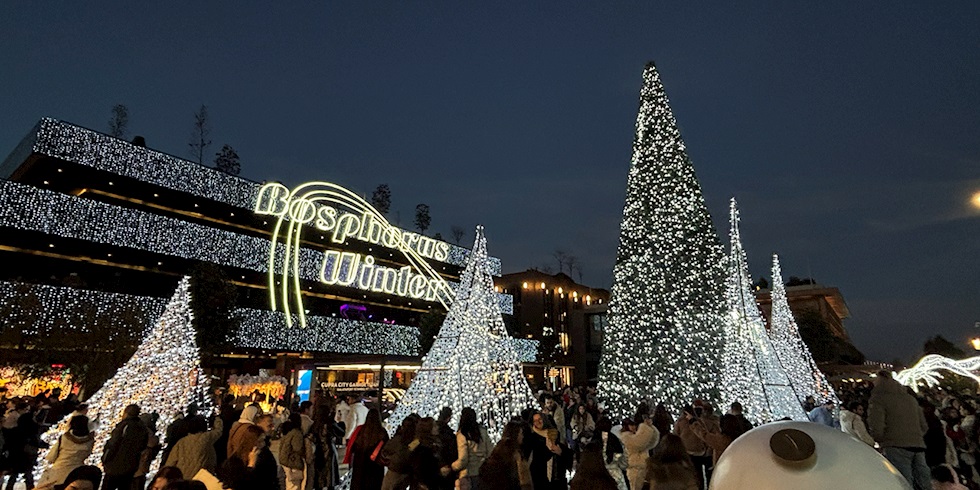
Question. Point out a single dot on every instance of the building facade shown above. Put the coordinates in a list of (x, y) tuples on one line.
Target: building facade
[(93, 227), (560, 314)]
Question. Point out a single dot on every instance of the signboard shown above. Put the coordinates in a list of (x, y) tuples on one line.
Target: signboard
[(338, 215)]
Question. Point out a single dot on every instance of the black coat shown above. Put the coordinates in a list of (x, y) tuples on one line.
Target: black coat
[(121, 455)]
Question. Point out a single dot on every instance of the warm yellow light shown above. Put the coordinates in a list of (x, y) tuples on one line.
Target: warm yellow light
[(542, 285), (525, 285), (560, 290), (976, 199), (976, 343), (575, 294)]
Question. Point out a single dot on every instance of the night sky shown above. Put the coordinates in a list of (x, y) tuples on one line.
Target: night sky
[(849, 132)]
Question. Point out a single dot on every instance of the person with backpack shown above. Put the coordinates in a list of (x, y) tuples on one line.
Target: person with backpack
[(397, 455), (121, 454)]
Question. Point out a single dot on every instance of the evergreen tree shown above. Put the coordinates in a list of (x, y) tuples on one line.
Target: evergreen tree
[(753, 374), (163, 376), (793, 352), (227, 160), (665, 316), (422, 218), (119, 121), (472, 362), (381, 199)]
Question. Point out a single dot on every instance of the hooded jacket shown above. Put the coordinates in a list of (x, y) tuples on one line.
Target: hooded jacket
[(894, 416), (853, 424)]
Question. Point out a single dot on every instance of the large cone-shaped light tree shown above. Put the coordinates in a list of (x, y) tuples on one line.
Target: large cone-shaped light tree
[(664, 333), (163, 376), (753, 374), (472, 362), (807, 379)]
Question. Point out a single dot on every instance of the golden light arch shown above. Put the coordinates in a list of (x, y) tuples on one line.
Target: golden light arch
[(334, 210)]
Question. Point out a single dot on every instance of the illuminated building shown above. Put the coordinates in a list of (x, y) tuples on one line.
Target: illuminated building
[(88, 219), (560, 313)]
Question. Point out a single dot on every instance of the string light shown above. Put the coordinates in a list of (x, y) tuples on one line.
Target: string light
[(29, 208), (752, 373), (72, 143), (664, 332), (793, 352), (926, 371), (473, 362), (163, 376), (67, 308)]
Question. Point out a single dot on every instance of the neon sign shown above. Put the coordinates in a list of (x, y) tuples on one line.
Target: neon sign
[(340, 215)]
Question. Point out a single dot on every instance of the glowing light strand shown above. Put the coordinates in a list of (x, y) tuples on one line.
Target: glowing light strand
[(927, 370), (472, 361), (163, 376), (752, 374), (807, 378), (83, 146), (664, 334), (24, 207)]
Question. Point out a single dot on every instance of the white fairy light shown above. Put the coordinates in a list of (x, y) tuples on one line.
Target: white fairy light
[(473, 362), (664, 332), (807, 378), (24, 207), (99, 151), (752, 373), (163, 376), (927, 370)]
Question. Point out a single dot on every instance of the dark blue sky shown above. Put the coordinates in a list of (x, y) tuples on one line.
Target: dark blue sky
[(849, 132)]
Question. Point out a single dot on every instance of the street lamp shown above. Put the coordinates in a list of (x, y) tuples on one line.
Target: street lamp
[(975, 342)]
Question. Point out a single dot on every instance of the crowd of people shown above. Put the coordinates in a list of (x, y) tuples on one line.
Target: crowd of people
[(569, 441)]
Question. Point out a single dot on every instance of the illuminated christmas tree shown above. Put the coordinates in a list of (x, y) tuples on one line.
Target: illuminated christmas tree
[(472, 362), (664, 334), (793, 352), (163, 376), (752, 373)]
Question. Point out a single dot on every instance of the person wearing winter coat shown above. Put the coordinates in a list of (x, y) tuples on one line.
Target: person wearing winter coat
[(549, 458), (729, 429), (591, 473), (613, 453), (473, 447), (638, 439), (292, 452), (121, 455), (897, 424), (554, 408), (583, 425), (246, 419), (852, 422), (195, 451), (356, 415), (397, 454), (424, 459), (506, 468), (367, 473), (68, 452), (670, 467), (149, 453), (699, 452)]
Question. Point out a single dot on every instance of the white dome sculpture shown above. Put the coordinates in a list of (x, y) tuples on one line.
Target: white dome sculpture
[(802, 456)]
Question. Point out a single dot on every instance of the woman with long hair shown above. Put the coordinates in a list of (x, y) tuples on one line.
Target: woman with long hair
[(506, 468), (662, 419), (366, 470), (670, 466), (592, 473), (395, 452), (69, 451), (473, 446)]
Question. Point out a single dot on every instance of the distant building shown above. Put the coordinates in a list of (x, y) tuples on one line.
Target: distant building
[(564, 316), (827, 301)]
